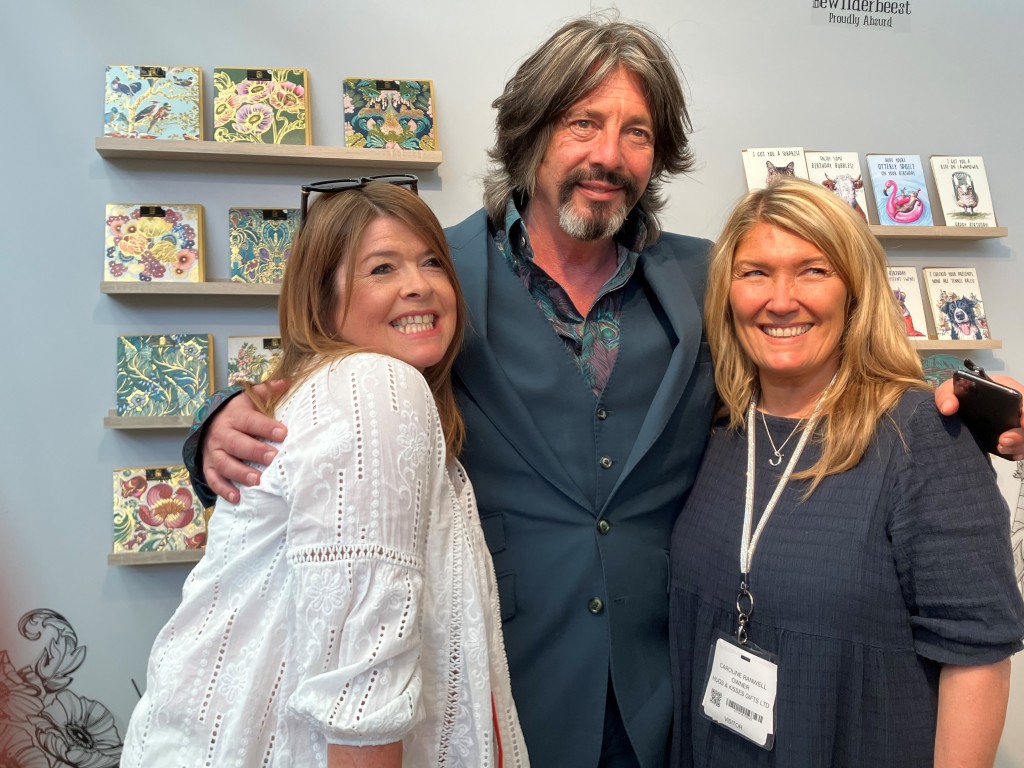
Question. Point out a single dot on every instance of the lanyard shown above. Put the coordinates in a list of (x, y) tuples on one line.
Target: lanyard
[(748, 543)]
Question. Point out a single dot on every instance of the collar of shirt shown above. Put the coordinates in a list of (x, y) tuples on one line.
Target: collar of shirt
[(514, 243), (592, 340)]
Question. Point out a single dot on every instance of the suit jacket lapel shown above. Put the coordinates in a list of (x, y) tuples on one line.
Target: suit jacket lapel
[(480, 373), (669, 282)]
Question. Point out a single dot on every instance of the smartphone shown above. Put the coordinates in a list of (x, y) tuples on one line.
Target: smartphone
[(987, 408)]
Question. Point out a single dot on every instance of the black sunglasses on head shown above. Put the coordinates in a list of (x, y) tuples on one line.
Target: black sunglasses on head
[(332, 186)]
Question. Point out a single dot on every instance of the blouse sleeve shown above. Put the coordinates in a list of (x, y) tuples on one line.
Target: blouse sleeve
[(361, 471), (951, 540)]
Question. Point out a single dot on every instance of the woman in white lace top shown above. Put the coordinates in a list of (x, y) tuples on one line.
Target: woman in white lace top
[(345, 611)]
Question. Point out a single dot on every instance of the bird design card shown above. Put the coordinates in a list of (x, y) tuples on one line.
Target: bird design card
[(963, 191), (154, 242), (261, 106), (252, 358), (163, 374), (153, 102), (389, 114), (260, 241), (155, 510), (900, 190)]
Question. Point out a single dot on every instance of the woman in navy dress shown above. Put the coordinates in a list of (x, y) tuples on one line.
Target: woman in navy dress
[(842, 581)]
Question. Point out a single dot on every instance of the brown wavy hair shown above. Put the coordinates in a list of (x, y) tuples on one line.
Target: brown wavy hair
[(877, 363), (328, 240), (568, 66)]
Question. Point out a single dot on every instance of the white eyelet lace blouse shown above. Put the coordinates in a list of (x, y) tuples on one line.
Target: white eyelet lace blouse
[(348, 599)]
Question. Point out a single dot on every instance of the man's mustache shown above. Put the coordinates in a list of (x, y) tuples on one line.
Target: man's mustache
[(627, 183)]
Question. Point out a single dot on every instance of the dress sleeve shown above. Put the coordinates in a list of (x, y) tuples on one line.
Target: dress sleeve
[(362, 475), (190, 452), (950, 531)]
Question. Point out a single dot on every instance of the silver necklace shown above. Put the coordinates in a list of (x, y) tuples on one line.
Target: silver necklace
[(778, 450)]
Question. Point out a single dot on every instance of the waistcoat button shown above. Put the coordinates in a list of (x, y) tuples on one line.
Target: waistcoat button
[(595, 605), (606, 462)]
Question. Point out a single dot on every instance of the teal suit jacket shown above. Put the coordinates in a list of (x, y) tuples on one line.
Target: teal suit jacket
[(578, 494)]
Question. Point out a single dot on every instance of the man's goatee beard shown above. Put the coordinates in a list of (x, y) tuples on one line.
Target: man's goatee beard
[(592, 224), (594, 221)]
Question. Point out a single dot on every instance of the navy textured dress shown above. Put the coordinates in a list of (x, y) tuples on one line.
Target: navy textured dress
[(888, 571)]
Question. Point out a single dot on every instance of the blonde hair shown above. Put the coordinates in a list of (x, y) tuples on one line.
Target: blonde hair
[(568, 66), (877, 363), (327, 240)]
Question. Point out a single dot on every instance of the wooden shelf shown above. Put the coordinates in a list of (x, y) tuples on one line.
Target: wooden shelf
[(883, 232), (273, 154), (208, 288), (113, 421), (155, 558), (934, 345)]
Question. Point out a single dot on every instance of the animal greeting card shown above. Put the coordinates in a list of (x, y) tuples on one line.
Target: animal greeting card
[(763, 165), (901, 193), (956, 303), (963, 191), (839, 172), (906, 289)]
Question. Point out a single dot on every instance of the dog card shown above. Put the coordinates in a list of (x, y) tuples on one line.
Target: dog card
[(956, 303)]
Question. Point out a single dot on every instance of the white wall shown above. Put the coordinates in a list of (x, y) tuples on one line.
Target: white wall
[(758, 74)]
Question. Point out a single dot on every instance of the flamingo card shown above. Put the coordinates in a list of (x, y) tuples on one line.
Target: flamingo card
[(900, 190)]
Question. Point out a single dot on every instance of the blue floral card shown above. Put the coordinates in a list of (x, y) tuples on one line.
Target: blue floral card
[(259, 241), (163, 375)]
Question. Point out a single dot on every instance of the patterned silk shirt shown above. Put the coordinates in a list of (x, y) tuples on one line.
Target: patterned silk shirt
[(592, 341)]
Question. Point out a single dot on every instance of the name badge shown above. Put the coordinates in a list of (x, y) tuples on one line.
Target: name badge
[(739, 693)]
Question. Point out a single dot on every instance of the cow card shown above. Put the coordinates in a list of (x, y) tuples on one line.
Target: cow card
[(840, 173)]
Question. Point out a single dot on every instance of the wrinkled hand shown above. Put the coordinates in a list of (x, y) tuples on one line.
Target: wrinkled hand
[(234, 436), (1011, 442)]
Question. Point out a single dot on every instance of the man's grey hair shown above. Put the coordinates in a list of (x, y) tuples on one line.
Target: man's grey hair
[(567, 67)]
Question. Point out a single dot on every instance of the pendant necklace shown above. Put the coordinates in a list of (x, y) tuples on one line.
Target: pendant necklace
[(778, 451)]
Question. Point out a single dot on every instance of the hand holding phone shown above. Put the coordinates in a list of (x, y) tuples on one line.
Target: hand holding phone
[(987, 408)]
